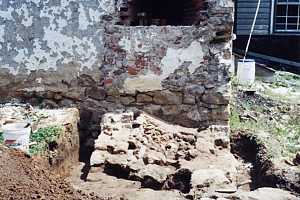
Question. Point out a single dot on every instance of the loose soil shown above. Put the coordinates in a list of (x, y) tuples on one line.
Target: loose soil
[(26, 178), (265, 133)]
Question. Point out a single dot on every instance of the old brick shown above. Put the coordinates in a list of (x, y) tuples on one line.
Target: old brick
[(189, 99), (215, 98), (143, 98), (66, 103), (198, 115), (153, 109), (49, 104), (170, 110), (74, 93), (127, 100), (195, 90), (166, 97), (220, 113), (97, 93), (112, 91)]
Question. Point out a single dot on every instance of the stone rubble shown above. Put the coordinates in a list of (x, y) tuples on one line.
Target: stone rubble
[(137, 147), (258, 194), (141, 148)]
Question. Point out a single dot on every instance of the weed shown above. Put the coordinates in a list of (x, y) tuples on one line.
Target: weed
[(1, 138), (289, 134), (280, 120), (42, 137), (235, 122)]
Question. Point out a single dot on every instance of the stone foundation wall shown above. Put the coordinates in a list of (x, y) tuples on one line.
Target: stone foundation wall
[(73, 54)]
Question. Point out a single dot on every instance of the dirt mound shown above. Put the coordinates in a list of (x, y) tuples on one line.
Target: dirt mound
[(22, 177)]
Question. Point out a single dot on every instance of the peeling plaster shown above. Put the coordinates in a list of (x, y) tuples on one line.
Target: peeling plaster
[(7, 14), (135, 42), (95, 15), (83, 19), (143, 83), (107, 5), (63, 36), (174, 58), (2, 33), (23, 12)]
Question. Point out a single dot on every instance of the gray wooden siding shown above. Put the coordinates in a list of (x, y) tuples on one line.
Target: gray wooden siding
[(245, 11)]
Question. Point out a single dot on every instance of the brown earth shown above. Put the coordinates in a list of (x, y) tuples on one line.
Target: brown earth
[(26, 178)]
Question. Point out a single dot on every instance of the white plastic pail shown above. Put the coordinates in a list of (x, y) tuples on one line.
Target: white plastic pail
[(17, 135), (246, 71)]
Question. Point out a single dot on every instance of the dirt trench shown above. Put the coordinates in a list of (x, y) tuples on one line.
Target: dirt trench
[(264, 172), (40, 173)]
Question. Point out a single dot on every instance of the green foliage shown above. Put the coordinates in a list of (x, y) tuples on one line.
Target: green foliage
[(251, 125), (1, 138), (274, 110), (42, 138), (286, 79), (289, 134), (234, 119)]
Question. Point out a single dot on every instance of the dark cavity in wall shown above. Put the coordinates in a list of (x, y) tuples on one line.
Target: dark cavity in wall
[(161, 12)]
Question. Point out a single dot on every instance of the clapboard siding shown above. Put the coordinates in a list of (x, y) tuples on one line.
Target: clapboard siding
[(245, 12)]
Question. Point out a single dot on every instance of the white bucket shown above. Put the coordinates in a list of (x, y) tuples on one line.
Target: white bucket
[(246, 72), (17, 135)]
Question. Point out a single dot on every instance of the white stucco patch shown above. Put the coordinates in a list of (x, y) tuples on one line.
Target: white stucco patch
[(223, 60), (125, 43), (136, 43), (10, 46), (36, 1), (11, 70), (2, 33), (173, 59), (60, 48), (176, 57), (42, 59), (95, 15), (6, 14), (61, 23), (26, 18), (107, 5), (83, 19), (143, 83), (19, 39), (52, 13)]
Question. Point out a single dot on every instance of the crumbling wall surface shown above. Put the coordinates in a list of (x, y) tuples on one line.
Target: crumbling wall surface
[(173, 72), (76, 55), (50, 42)]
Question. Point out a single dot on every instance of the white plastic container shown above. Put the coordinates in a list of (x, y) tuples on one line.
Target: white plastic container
[(246, 72), (17, 135)]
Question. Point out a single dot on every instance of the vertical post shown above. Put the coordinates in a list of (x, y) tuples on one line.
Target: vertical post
[(252, 29), (272, 17)]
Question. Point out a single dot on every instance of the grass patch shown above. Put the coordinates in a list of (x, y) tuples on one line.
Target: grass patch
[(237, 124), (42, 137), (1, 138), (287, 132), (286, 79)]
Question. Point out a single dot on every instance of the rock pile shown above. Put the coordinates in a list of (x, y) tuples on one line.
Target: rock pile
[(138, 147)]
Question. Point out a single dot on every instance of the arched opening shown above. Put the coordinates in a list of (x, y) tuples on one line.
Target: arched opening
[(161, 12)]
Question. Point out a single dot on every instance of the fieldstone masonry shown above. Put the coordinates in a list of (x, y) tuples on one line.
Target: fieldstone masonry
[(62, 53)]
